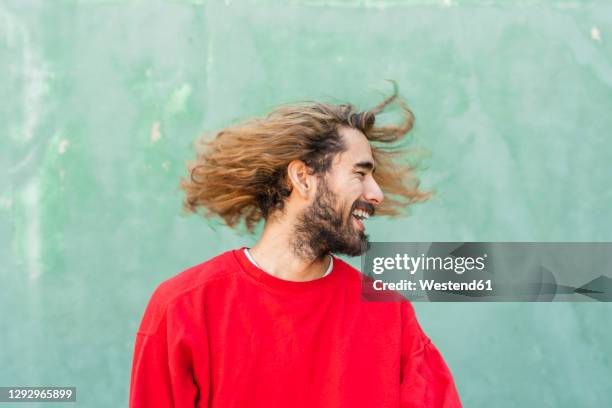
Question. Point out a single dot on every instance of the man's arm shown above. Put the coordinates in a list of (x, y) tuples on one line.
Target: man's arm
[(163, 372), (426, 381)]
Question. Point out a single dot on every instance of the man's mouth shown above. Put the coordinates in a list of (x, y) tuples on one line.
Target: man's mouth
[(359, 215)]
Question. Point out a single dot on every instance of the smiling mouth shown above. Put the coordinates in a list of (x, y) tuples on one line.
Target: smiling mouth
[(359, 215)]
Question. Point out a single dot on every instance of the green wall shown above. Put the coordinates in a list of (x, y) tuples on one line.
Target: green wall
[(102, 99)]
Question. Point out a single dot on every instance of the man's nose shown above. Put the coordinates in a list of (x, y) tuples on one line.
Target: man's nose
[(373, 193)]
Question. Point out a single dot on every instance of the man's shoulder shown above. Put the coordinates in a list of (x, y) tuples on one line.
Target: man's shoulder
[(218, 267), (347, 272), (184, 284), (387, 298)]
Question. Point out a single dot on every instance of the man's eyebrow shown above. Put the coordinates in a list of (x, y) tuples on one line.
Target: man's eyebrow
[(368, 165)]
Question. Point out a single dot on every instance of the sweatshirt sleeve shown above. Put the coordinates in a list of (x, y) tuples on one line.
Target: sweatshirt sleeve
[(426, 381), (163, 370)]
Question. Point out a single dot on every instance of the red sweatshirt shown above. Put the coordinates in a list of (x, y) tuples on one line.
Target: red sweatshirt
[(226, 334)]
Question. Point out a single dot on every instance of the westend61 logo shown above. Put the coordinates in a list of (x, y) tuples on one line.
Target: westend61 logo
[(412, 264), (488, 271)]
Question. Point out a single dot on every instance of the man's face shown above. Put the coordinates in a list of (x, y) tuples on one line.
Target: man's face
[(345, 196)]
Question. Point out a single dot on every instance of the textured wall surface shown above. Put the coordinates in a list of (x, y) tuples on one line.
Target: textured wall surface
[(101, 101)]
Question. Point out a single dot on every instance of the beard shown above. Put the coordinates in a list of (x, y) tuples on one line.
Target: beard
[(322, 229)]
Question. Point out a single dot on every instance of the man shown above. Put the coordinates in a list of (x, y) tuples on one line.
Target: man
[(284, 323)]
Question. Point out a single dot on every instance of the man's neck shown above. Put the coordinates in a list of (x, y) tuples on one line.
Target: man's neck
[(274, 253)]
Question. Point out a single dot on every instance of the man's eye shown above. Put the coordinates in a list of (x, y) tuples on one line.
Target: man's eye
[(361, 173)]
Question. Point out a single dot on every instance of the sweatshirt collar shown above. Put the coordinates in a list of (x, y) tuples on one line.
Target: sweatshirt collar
[(263, 277)]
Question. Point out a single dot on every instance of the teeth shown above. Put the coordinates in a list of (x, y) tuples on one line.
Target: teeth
[(361, 214)]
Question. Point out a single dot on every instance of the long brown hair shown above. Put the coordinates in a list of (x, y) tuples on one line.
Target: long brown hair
[(241, 174)]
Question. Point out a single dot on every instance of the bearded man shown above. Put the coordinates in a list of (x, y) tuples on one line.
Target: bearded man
[(284, 323)]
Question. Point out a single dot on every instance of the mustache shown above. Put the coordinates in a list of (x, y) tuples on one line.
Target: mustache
[(369, 207)]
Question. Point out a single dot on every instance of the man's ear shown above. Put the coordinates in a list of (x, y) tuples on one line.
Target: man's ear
[(300, 178)]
